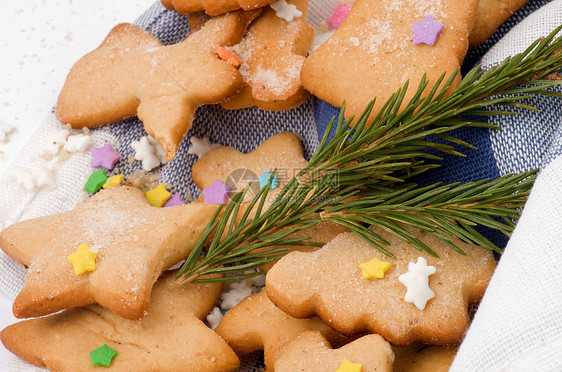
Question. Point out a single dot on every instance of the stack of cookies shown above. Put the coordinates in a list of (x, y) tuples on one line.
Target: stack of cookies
[(106, 267)]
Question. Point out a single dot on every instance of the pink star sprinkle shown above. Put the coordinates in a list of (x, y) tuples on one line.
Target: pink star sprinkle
[(340, 14), (104, 157), (217, 193), (174, 201), (427, 30)]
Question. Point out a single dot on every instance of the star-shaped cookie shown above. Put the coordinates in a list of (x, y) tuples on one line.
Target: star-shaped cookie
[(135, 243), (171, 337), (329, 283), (256, 324), (311, 352), (131, 73), (273, 52)]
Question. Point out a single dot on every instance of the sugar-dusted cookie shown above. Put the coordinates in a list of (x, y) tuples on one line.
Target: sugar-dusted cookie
[(373, 53), (273, 52), (339, 284), (421, 358), (282, 152), (213, 7), (131, 73), (311, 352), (124, 242), (489, 16), (171, 337), (256, 324)]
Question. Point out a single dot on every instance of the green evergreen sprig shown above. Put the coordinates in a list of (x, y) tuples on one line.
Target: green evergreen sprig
[(361, 177)]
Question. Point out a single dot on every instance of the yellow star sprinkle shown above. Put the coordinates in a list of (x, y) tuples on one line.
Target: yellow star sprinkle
[(83, 260), (158, 196), (374, 269), (114, 181), (348, 366)]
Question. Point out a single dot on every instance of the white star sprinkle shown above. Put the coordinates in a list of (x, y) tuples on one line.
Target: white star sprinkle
[(77, 143), (214, 318), (55, 141), (201, 146), (35, 179), (416, 281), (286, 11), (149, 152)]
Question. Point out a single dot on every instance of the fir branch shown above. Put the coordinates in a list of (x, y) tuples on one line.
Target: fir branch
[(359, 179)]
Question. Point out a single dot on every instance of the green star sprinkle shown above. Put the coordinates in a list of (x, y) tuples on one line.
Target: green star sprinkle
[(96, 181), (103, 356)]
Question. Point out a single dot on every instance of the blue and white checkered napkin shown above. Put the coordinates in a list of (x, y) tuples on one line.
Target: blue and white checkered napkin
[(518, 325)]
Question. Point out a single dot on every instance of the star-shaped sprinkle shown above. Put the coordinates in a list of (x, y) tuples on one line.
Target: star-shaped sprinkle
[(217, 193), (427, 30), (83, 260), (34, 179), (158, 196), (96, 181), (201, 146), (416, 281), (77, 143), (174, 201), (114, 181), (264, 179), (286, 11), (104, 157), (340, 14), (149, 152), (348, 366), (375, 268), (56, 141), (103, 356)]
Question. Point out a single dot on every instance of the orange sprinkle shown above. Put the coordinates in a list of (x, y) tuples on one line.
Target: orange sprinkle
[(228, 56)]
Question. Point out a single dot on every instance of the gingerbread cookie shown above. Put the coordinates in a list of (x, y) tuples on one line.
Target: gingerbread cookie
[(490, 15), (109, 250), (256, 324), (311, 352), (355, 288), (132, 73), (282, 152), (383, 44), (171, 337), (421, 358), (273, 52), (213, 7)]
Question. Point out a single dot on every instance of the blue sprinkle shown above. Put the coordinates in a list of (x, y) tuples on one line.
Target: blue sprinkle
[(264, 179)]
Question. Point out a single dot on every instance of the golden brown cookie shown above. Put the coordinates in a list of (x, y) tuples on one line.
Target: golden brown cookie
[(421, 358), (273, 52), (171, 337), (213, 7), (256, 324), (329, 283), (282, 152), (135, 243), (490, 15), (132, 73), (372, 54), (311, 352)]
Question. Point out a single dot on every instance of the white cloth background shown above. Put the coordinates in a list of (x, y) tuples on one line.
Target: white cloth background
[(519, 323)]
